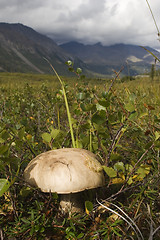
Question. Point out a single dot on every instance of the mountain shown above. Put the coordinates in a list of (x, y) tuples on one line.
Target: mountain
[(23, 50), (105, 59)]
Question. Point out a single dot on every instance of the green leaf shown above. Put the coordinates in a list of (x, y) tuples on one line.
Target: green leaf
[(105, 94), (110, 171), (133, 115), (104, 103), (148, 145), (21, 133), (37, 227), (82, 77), (3, 149), (25, 221), (54, 195), (4, 135), (81, 96), (80, 236), (143, 171), (69, 63), (130, 107), (130, 181), (143, 114), (2, 140), (100, 107), (54, 133), (25, 191), (99, 118), (10, 160), (71, 69), (157, 135), (32, 230), (46, 137), (116, 232), (79, 143), (117, 180), (119, 166), (88, 206), (128, 167), (115, 157), (87, 107), (4, 185), (79, 71), (132, 96)]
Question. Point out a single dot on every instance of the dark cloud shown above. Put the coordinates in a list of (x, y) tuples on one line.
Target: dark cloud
[(89, 21)]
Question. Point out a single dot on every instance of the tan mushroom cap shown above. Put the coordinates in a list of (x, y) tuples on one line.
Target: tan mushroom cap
[(65, 170)]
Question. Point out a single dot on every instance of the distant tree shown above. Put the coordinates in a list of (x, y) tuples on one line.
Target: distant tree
[(152, 73)]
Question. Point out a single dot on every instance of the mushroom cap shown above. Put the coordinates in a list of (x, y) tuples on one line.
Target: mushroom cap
[(64, 171)]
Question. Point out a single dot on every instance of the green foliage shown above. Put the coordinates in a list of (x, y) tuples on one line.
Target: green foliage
[(88, 206), (4, 185), (120, 125), (127, 78)]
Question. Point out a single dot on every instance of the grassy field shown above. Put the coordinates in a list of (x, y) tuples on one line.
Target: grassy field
[(118, 121)]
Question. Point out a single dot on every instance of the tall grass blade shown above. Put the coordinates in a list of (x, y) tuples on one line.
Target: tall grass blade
[(111, 210), (151, 53), (66, 103), (153, 17), (129, 219)]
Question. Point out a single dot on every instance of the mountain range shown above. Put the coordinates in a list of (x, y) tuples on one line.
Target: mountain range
[(106, 59), (22, 49)]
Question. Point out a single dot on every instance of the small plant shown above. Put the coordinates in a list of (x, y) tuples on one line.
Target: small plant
[(66, 101)]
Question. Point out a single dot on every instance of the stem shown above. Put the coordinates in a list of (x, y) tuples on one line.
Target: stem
[(117, 75), (66, 103), (114, 142), (90, 135), (153, 17)]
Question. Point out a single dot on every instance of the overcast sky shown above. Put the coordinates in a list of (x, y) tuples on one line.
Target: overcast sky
[(87, 21)]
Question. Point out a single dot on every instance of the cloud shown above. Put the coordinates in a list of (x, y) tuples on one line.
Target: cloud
[(89, 21)]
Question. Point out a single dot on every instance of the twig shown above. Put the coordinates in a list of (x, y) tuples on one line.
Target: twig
[(151, 223), (113, 143), (131, 223), (157, 229), (128, 218), (117, 75), (158, 162), (1, 234), (153, 17), (122, 191)]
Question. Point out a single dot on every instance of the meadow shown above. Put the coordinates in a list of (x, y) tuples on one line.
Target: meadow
[(117, 120)]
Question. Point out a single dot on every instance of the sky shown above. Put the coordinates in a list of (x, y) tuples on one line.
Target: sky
[(88, 21)]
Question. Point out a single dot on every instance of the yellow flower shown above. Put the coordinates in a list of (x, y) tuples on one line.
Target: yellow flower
[(29, 136)]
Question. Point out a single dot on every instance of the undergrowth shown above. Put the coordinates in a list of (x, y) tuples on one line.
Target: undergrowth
[(121, 126)]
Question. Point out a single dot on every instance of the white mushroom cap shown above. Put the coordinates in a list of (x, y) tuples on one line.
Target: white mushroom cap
[(64, 171)]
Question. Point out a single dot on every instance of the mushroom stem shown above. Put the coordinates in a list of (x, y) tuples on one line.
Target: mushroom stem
[(70, 203)]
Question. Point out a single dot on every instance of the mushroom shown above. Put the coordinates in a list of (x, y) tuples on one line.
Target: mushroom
[(67, 172)]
